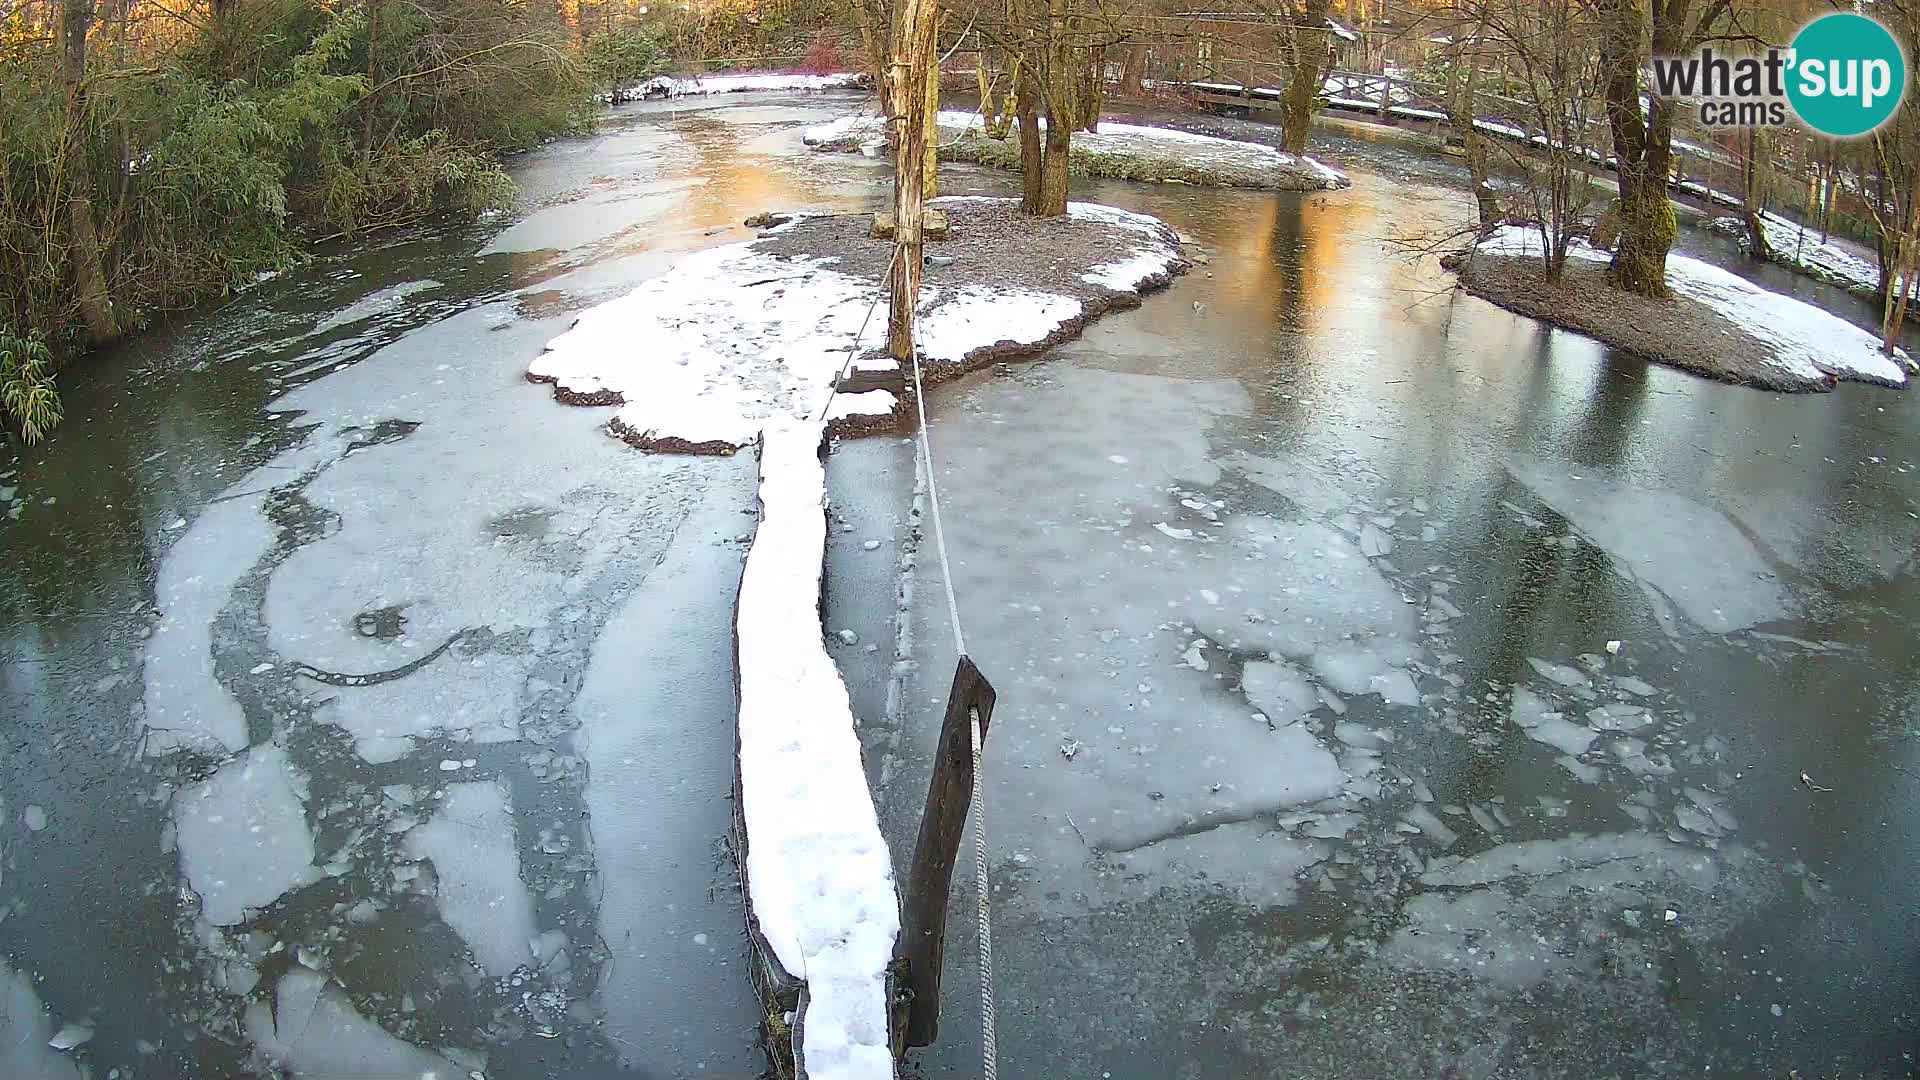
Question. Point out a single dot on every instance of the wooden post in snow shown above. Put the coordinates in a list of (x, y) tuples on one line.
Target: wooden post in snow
[(914, 44), (923, 921)]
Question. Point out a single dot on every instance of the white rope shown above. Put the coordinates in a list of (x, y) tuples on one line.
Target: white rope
[(989, 1042), (982, 889), (933, 499)]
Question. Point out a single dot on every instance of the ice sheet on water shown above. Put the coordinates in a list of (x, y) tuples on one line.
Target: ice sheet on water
[(1619, 717), (312, 1031), (1558, 673), (1519, 912), (242, 834), (1528, 707), (1424, 819), (471, 841), (1278, 689), (186, 707), (1562, 734), (1247, 860), (1692, 554), (25, 1029)]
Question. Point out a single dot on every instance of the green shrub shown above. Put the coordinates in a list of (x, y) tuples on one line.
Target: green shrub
[(27, 393)]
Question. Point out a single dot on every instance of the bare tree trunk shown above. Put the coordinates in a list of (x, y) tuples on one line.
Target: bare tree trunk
[(83, 241), (1643, 149), (1307, 49), (1133, 71), (930, 161), (874, 44), (1090, 91), (1750, 195), (1032, 157), (1463, 79), (1899, 281), (1053, 169), (914, 57)]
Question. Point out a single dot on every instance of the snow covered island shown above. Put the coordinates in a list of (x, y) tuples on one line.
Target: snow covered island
[(701, 358), (1716, 323), (1122, 151)]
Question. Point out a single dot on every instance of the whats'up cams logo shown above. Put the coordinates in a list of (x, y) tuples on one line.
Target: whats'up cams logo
[(1844, 75)]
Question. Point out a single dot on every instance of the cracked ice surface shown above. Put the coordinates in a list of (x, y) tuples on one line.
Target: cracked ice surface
[(472, 844), (313, 1031), (185, 706), (1727, 581), (243, 834), (1144, 768)]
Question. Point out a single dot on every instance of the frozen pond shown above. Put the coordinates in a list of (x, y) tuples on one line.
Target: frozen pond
[(372, 714), (1390, 686)]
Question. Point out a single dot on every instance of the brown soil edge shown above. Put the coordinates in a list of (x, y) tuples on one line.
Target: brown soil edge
[(1095, 301), (1679, 332)]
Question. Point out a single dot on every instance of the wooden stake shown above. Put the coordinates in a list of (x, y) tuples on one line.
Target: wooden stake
[(923, 922), (913, 55)]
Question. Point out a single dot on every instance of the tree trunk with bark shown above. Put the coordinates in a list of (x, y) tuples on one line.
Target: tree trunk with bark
[(1642, 141), (1133, 71), (1053, 169), (913, 59), (930, 161), (1031, 155), (83, 240), (1751, 148), (1307, 52)]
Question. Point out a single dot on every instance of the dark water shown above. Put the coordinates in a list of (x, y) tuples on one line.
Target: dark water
[(369, 713)]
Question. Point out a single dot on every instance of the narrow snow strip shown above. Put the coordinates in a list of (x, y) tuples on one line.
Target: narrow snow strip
[(818, 874), (669, 86), (1809, 341)]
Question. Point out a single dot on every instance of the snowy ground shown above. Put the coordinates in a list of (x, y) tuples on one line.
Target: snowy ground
[(1118, 150), (701, 357), (1830, 260), (1809, 343)]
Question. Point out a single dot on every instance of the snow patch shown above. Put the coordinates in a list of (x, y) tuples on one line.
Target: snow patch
[(669, 86), (819, 876)]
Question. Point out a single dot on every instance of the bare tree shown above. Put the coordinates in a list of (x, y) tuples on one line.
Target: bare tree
[(1643, 135)]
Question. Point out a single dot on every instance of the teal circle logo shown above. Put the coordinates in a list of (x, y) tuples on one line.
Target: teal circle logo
[(1848, 75)]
